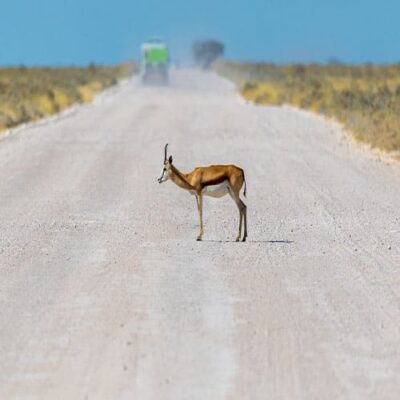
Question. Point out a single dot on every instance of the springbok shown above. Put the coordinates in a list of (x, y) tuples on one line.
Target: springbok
[(215, 181)]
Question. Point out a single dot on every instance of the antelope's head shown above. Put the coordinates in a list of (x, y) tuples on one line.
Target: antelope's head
[(166, 166)]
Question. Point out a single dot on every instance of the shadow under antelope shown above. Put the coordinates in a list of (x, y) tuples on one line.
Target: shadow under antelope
[(214, 181)]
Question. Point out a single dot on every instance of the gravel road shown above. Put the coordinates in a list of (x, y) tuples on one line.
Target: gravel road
[(105, 294)]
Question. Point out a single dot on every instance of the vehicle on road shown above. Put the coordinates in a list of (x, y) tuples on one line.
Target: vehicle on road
[(155, 61)]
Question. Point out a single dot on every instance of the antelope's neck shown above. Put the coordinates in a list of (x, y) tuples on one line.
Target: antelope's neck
[(180, 179)]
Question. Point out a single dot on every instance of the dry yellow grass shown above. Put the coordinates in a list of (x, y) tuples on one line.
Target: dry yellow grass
[(28, 94), (366, 99)]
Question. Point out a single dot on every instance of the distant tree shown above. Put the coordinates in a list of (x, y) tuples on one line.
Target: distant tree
[(206, 52), (92, 67), (334, 61)]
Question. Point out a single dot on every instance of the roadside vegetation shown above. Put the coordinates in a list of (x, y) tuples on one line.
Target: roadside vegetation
[(28, 94), (365, 98)]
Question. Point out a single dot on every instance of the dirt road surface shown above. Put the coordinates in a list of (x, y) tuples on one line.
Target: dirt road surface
[(105, 294)]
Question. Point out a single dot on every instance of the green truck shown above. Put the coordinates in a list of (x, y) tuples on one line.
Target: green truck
[(155, 60)]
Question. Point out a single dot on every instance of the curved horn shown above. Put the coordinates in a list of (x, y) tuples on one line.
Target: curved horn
[(165, 152)]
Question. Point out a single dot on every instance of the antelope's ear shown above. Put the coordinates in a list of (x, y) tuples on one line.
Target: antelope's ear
[(170, 159)]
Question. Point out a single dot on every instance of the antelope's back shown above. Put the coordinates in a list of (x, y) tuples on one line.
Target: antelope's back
[(216, 174)]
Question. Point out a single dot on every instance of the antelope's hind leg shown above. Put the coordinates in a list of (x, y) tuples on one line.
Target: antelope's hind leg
[(242, 213), (240, 225), (245, 221)]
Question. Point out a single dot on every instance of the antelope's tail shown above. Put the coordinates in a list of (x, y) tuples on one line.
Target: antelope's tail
[(245, 185)]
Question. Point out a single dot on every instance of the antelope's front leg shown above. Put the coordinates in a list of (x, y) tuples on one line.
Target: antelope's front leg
[(199, 201)]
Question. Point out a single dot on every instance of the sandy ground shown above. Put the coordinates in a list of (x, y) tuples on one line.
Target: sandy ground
[(105, 294)]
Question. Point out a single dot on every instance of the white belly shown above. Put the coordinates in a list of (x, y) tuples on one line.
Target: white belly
[(216, 190)]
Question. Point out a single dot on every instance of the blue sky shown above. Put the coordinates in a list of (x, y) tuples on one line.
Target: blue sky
[(55, 32)]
